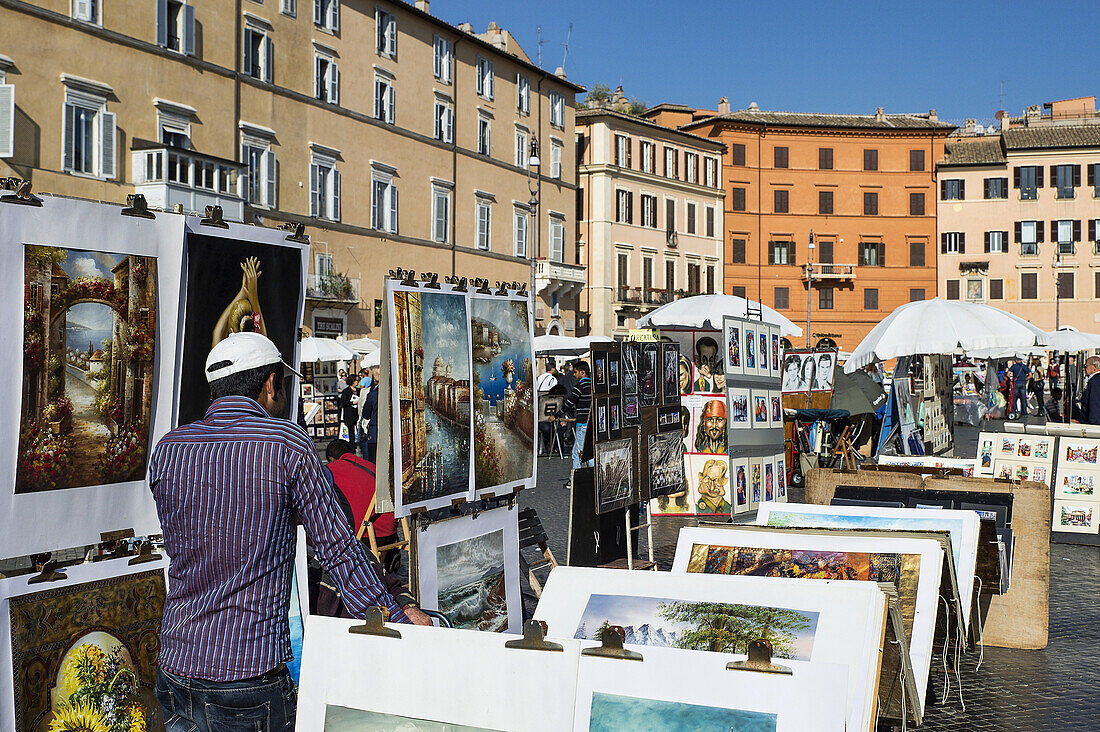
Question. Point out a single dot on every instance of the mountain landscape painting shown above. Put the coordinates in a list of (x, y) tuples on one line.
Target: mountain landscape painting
[(614, 712), (472, 589)]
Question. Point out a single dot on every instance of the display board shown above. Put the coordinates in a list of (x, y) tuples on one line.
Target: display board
[(1019, 456), (82, 647), (92, 366), (832, 622), (462, 400), (1076, 485), (913, 566)]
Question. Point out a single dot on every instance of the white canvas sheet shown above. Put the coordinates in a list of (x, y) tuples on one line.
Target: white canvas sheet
[(962, 525), (47, 520), (667, 683), (456, 676), (849, 622), (436, 576), (928, 585)]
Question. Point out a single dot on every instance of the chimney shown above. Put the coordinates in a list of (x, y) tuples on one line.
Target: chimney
[(466, 27), (753, 107), (880, 114), (1033, 113), (422, 6), (970, 125), (933, 116), (724, 105), (560, 72)]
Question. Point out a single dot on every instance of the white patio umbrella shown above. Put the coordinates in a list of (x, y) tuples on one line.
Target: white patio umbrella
[(943, 327), (363, 346), (325, 349), (374, 358), (1071, 340), (707, 311), (557, 345)]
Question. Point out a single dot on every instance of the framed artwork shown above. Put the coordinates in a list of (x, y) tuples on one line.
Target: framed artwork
[(709, 372), (614, 426), (1078, 485), (769, 480), (665, 464), (670, 419), (740, 414), (762, 362), (670, 366), (1075, 516), (1039, 473), (632, 411), (983, 464), (776, 400), (1079, 453), (734, 363), (711, 481), (613, 378), (823, 373), (599, 407), (780, 478), (468, 569), (798, 371), (740, 489), (616, 474), (599, 372), (750, 350), (1007, 446), (756, 481), (776, 363), (649, 373), (1042, 448), (629, 356), (761, 409)]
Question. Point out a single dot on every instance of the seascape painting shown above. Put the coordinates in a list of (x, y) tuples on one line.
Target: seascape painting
[(700, 625), (503, 393), (344, 719), (615, 713), (472, 590), (89, 348), (432, 376)]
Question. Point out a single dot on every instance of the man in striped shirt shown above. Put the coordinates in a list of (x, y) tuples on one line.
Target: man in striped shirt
[(229, 490), (577, 406)]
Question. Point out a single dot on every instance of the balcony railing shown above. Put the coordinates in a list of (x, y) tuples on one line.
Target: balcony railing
[(334, 287), (1029, 249), (1067, 248), (830, 271), (650, 296), (549, 269), (168, 176)]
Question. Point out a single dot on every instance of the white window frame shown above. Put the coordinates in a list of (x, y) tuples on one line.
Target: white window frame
[(523, 95), (1029, 232), (384, 202), (520, 231), (484, 77), (385, 96), (265, 184), (103, 133), (289, 7), (87, 11), (557, 237), (671, 157), (324, 186), (322, 264), (952, 242), (522, 141), (690, 161), (443, 58), (622, 205), (648, 207), (622, 144), (555, 158), (484, 135), (266, 49), (326, 15), (7, 116), (185, 27), (444, 116), (557, 110), (997, 243), (645, 150), (441, 211), (710, 172), (385, 39), (326, 84), (483, 222)]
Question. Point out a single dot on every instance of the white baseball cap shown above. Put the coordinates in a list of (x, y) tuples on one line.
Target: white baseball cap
[(240, 352)]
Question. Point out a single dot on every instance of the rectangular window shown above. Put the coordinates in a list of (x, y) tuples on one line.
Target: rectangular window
[(646, 150), (1065, 179), (443, 58), (737, 154), (260, 183), (622, 269), (86, 10), (649, 210), (952, 289), (710, 167), (484, 135), (1029, 234), (384, 97), (871, 253), (996, 289), (737, 199), (825, 298), (290, 7), (670, 275), (441, 214), (519, 232), (738, 291), (916, 160), (385, 32), (952, 189), (523, 94), (444, 121), (996, 188), (484, 77), (690, 218), (825, 158), (647, 273), (1094, 179), (90, 138), (555, 159), (870, 159), (1029, 286), (870, 203), (557, 110), (781, 252), (326, 15), (916, 204), (324, 188), (824, 202), (695, 286), (1028, 179), (996, 242), (916, 254), (176, 26), (383, 202), (782, 298), (953, 242), (782, 157), (557, 238), (622, 206), (622, 151), (258, 54), (691, 167), (737, 251), (916, 294), (870, 298), (670, 215), (672, 163), (710, 279), (710, 221), (326, 79), (825, 251), (483, 212), (521, 147), (782, 200)]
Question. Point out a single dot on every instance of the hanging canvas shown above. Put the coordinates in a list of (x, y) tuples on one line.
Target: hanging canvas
[(756, 481), (83, 650), (761, 409), (670, 369), (734, 363), (650, 374), (710, 480), (740, 484), (711, 435), (665, 464), (739, 410), (797, 371), (92, 369), (750, 350), (245, 278), (776, 363), (780, 478), (823, 373), (503, 393), (431, 402), (616, 474), (468, 570)]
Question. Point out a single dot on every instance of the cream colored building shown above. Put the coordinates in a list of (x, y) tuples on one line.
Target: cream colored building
[(1019, 218), (649, 216), (397, 139)]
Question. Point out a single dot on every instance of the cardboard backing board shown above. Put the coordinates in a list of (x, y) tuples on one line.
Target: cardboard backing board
[(594, 539)]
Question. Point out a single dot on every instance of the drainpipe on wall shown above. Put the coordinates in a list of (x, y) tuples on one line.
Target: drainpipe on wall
[(454, 162)]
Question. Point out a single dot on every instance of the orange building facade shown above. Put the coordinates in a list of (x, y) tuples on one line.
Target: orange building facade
[(863, 185)]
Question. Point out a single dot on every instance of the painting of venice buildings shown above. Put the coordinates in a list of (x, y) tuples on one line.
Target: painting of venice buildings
[(89, 328), (472, 590), (504, 425), (432, 328)]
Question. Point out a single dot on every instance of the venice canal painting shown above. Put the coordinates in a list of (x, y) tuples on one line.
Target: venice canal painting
[(471, 587), (504, 425), (89, 329), (701, 625), (433, 383)]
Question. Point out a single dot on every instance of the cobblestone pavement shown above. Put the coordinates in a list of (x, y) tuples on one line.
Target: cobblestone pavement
[(1057, 688)]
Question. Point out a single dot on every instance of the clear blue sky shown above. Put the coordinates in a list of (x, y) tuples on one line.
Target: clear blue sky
[(815, 56)]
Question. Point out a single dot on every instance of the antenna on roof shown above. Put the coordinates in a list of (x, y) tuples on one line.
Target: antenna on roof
[(1002, 95), (538, 30), (565, 55)]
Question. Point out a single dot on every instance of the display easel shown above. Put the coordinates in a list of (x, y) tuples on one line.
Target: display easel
[(368, 528), (531, 534), (648, 526)]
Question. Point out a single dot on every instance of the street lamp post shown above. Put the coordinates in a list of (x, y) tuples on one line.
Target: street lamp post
[(533, 164), (809, 284)]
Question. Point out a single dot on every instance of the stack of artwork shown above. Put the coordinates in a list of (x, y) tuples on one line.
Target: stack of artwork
[(1076, 485), (463, 401)]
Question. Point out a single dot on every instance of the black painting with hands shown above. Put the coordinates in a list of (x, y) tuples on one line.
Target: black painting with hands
[(234, 286)]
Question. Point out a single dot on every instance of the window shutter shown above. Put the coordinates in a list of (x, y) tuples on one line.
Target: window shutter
[(107, 144), (943, 190), (629, 152), (1038, 176), (1076, 176), (962, 242), (987, 234), (270, 169), (7, 120), (771, 252), (269, 56), (246, 61), (1092, 229), (1015, 177), (1039, 229), (162, 22), (335, 194), (1092, 174), (962, 190), (1019, 226), (1053, 175), (391, 107), (790, 252), (318, 78), (449, 115), (1004, 242), (189, 30), (393, 208), (985, 187), (1076, 230), (334, 19), (314, 192), (1054, 230), (943, 243), (318, 10), (334, 83), (881, 254), (630, 207)]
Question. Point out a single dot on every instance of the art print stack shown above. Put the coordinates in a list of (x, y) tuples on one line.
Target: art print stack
[(1076, 487), (751, 363)]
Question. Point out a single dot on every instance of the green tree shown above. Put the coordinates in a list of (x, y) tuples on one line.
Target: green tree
[(729, 628), (598, 635), (597, 95), (637, 107)]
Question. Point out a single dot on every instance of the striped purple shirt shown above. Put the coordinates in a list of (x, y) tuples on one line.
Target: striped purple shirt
[(228, 489)]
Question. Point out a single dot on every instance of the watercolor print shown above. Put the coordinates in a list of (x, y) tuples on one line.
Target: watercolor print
[(1082, 453), (503, 393), (472, 590), (615, 713), (89, 335)]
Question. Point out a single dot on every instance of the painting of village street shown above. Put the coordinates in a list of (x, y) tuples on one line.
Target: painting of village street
[(699, 625), (504, 425), (472, 590), (89, 328), (433, 328)]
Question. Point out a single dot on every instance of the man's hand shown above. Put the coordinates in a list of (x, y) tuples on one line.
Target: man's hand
[(412, 612)]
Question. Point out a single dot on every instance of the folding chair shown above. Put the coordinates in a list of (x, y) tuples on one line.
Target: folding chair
[(531, 534)]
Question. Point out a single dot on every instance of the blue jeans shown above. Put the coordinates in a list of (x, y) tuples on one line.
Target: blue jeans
[(264, 703), (578, 445)]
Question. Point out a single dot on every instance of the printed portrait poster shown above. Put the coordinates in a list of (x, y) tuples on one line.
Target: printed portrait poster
[(237, 285)]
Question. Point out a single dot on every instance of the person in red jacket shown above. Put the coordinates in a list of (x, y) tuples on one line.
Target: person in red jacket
[(354, 479)]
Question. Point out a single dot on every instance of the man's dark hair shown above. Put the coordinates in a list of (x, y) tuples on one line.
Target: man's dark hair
[(582, 366), (338, 448), (247, 383)]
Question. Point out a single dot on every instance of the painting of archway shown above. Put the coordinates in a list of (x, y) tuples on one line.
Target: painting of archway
[(89, 333)]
